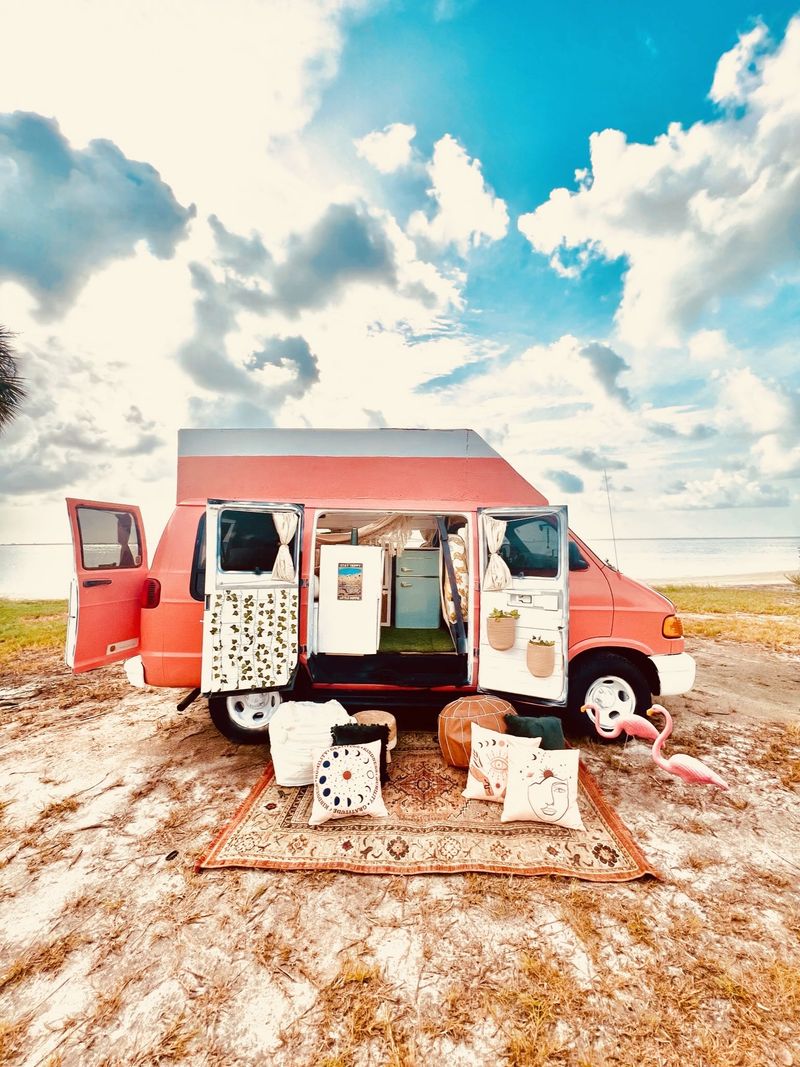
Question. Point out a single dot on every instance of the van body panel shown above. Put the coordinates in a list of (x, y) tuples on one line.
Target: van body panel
[(640, 610), (110, 567)]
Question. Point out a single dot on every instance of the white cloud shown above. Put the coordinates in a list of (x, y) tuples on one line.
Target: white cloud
[(750, 403), (776, 456), (726, 489), (698, 214), (198, 90), (711, 346), (466, 210), (388, 149)]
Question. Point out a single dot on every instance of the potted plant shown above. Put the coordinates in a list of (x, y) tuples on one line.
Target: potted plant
[(541, 657), (501, 629)]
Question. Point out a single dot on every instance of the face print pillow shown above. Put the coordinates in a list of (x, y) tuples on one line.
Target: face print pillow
[(543, 787), (488, 762)]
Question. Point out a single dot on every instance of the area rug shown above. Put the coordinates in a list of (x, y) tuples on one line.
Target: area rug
[(431, 829)]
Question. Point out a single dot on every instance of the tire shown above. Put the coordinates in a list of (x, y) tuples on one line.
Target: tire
[(613, 683), (244, 717)]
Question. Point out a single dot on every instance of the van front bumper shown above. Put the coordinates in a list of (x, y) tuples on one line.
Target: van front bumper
[(676, 673)]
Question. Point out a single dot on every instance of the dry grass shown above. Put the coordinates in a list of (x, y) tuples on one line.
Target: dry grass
[(755, 615), (42, 959), (31, 625)]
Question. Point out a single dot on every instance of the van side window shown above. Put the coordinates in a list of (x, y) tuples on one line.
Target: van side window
[(248, 541), (197, 580), (109, 539), (530, 547)]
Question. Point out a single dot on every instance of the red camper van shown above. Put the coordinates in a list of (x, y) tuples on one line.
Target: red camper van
[(371, 565)]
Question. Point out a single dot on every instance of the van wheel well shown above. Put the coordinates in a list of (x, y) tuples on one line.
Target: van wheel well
[(637, 659)]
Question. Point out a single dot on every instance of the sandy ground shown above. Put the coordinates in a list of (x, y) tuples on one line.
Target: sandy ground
[(114, 951)]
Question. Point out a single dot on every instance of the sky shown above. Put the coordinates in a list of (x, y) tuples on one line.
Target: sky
[(573, 228)]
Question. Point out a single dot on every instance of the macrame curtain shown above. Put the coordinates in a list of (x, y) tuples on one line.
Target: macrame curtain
[(391, 534), (497, 574), (286, 525)]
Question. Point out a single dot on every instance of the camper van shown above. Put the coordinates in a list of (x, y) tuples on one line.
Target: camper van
[(382, 566)]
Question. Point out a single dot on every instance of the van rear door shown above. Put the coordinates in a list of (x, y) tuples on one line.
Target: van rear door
[(250, 622), (524, 581), (105, 594)]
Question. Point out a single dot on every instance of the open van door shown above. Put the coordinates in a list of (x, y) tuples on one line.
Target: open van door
[(250, 622), (105, 593), (525, 569)]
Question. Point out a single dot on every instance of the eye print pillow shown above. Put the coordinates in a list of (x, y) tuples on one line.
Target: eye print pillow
[(543, 787), (347, 782), (488, 762)]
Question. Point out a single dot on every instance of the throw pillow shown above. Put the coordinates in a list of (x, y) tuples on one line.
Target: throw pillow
[(488, 762), (297, 730), (357, 733), (347, 782), (548, 727), (543, 787)]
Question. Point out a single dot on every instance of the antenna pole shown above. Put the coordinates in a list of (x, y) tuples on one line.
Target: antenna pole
[(611, 519)]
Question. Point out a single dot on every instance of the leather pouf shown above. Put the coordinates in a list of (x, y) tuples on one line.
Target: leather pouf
[(456, 719)]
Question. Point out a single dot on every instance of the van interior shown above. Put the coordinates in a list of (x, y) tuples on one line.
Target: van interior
[(411, 572)]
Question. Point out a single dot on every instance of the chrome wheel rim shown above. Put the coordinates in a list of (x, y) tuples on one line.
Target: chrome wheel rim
[(252, 711), (613, 697)]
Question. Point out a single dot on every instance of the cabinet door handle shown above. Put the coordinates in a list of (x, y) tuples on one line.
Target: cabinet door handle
[(406, 585), (406, 570)]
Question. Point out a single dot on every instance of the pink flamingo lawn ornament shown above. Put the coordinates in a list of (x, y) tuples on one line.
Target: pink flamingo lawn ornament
[(690, 769), (633, 725)]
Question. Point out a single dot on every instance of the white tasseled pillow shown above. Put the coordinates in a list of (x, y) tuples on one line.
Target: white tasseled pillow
[(296, 731)]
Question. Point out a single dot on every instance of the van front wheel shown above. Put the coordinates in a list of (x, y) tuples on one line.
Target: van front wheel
[(244, 717), (612, 683)]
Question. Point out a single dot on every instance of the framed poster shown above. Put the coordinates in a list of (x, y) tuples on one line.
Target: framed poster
[(350, 581)]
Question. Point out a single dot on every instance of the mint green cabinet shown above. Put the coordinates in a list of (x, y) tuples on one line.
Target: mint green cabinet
[(416, 590)]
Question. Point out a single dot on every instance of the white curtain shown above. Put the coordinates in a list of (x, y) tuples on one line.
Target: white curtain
[(286, 525), (497, 574)]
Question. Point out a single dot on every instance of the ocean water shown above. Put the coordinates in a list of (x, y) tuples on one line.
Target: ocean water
[(43, 571)]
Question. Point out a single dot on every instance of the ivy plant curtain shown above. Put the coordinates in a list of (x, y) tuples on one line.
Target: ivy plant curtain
[(497, 576), (286, 525)]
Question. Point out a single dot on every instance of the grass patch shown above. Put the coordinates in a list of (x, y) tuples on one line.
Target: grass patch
[(767, 617), (730, 600), (30, 624)]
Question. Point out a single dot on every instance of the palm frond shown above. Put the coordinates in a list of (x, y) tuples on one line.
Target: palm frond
[(12, 391)]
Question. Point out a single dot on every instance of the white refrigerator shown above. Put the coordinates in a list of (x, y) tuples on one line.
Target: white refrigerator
[(350, 585)]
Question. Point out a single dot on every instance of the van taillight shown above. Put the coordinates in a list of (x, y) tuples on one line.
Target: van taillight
[(672, 626), (151, 593)]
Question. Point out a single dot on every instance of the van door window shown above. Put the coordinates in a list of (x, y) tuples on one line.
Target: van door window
[(109, 539), (530, 547), (248, 541)]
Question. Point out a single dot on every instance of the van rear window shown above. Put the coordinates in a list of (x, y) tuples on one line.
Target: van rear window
[(248, 541), (197, 580), (109, 539)]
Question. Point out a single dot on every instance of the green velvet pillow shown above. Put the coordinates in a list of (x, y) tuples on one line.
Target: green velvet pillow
[(548, 727)]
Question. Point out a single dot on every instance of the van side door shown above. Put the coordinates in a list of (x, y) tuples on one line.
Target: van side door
[(110, 557), (524, 602), (252, 602)]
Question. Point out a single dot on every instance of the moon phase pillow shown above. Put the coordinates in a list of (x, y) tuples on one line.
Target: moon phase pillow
[(488, 762), (347, 781)]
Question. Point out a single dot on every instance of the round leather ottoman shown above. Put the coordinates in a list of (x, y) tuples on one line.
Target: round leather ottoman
[(380, 718), (456, 719)]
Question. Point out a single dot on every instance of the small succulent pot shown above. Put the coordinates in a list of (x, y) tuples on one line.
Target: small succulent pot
[(541, 658), (501, 629)]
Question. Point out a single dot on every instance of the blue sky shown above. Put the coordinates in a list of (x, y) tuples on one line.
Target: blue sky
[(349, 214)]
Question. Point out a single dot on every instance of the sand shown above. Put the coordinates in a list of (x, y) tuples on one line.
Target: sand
[(114, 951)]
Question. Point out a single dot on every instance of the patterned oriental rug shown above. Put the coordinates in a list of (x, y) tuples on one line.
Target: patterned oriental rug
[(431, 829)]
